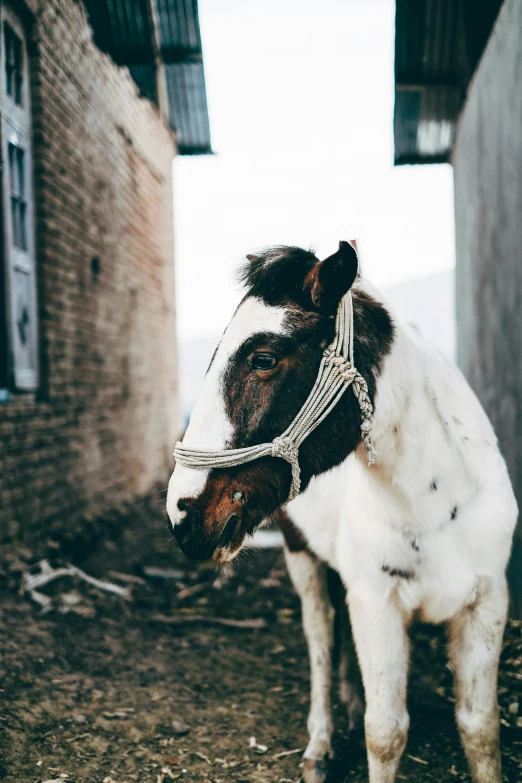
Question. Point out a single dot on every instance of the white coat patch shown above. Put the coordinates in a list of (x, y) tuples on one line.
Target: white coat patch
[(209, 427)]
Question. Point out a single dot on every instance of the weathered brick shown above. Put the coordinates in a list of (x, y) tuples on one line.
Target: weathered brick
[(100, 430)]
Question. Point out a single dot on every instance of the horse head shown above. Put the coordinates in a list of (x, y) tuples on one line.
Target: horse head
[(260, 376)]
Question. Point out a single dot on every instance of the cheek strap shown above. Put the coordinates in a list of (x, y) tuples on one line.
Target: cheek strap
[(336, 373)]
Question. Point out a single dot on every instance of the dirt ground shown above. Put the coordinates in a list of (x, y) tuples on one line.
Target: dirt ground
[(113, 689)]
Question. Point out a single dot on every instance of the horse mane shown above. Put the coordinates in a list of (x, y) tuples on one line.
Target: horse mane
[(277, 273)]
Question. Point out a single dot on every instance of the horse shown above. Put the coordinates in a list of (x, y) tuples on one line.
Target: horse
[(396, 483)]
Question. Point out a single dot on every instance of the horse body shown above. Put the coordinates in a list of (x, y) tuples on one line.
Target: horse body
[(424, 532), (436, 513)]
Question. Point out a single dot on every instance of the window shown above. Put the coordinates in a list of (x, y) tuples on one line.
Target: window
[(14, 71), (17, 195), (18, 332)]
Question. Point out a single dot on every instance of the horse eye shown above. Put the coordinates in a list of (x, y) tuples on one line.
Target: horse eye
[(263, 361)]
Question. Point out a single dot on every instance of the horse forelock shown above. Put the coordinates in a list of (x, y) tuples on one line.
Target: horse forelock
[(277, 274)]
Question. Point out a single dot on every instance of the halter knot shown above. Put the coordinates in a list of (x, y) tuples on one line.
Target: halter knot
[(360, 389), (330, 354), (343, 365), (285, 448)]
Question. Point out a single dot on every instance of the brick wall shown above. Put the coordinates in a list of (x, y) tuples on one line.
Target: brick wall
[(100, 430)]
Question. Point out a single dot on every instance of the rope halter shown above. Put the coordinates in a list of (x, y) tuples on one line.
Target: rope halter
[(337, 372)]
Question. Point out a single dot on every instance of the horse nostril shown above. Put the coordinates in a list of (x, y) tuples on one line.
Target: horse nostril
[(228, 531), (181, 530), (182, 522), (184, 509)]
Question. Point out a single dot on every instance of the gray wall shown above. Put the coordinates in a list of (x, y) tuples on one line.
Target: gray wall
[(488, 205)]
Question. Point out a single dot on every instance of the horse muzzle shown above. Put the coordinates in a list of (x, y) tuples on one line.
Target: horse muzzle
[(219, 539)]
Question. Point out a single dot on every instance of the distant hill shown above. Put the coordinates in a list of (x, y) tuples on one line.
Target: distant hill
[(427, 302)]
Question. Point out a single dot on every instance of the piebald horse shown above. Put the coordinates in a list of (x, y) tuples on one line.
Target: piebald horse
[(422, 531)]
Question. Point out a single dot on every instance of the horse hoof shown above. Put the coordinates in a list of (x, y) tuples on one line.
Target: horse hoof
[(315, 771)]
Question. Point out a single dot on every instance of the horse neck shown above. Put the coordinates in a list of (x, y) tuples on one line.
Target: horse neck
[(408, 434)]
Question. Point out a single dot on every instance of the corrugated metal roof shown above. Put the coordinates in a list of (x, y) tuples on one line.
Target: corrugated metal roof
[(178, 24), (437, 46), (188, 107), (143, 34), (124, 29)]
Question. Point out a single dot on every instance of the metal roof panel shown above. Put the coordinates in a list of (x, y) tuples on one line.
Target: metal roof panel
[(437, 46), (188, 107), (139, 33), (123, 28), (178, 24)]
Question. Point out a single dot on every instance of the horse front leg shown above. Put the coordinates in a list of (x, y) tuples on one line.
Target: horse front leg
[(309, 577), (475, 645), (350, 685), (381, 639)]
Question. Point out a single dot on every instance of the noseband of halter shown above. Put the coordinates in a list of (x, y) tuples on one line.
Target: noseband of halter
[(336, 373)]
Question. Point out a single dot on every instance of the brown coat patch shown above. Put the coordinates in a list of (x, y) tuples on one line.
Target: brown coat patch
[(294, 538)]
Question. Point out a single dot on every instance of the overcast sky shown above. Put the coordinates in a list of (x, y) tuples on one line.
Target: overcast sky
[(301, 107)]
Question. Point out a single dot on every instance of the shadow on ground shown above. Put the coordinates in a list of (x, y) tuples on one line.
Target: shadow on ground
[(104, 688)]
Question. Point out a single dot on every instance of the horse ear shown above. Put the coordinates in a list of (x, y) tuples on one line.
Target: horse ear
[(329, 280)]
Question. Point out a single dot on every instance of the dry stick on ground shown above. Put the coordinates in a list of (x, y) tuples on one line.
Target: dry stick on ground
[(128, 578), (188, 592), (287, 753), (31, 581), (246, 625), (418, 760)]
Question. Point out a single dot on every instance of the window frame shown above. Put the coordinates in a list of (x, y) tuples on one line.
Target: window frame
[(16, 63), (19, 262)]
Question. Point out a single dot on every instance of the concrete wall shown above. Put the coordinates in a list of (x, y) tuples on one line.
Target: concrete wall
[(488, 202), (101, 428)]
